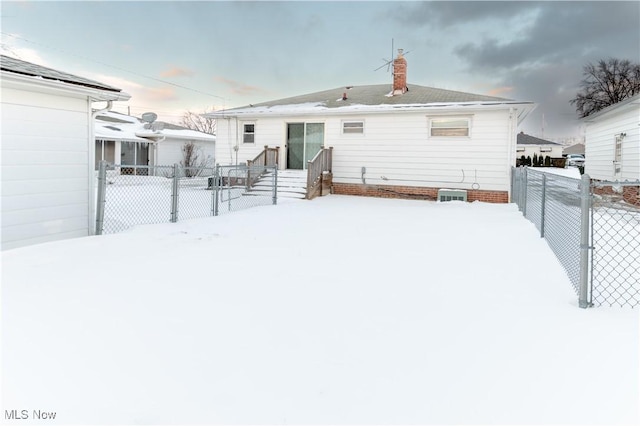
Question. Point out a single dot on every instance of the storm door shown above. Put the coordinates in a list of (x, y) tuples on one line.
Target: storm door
[(617, 157), (304, 140)]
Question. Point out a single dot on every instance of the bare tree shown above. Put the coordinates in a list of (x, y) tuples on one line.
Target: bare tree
[(194, 121), (606, 83), (192, 161)]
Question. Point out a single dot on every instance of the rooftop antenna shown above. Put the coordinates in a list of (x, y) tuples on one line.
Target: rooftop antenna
[(388, 62)]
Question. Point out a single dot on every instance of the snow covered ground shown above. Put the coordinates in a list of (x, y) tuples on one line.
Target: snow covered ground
[(342, 310)]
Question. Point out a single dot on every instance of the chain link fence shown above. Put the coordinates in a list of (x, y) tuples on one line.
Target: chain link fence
[(616, 245), (128, 196), (595, 238)]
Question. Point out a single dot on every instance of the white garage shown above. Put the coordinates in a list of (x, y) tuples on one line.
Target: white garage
[(47, 152)]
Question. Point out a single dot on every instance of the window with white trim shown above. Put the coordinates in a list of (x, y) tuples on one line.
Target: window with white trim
[(449, 126), (248, 132), (353, 127)]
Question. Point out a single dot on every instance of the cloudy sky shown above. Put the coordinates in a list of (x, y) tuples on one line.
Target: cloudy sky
[(175, 56)]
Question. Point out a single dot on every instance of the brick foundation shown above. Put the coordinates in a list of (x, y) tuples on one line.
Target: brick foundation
[(630, 194), (414, 192)]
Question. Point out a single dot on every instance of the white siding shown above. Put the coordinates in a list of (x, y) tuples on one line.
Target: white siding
[(396, 146), (45, 169), (600, 145), (170, 151)]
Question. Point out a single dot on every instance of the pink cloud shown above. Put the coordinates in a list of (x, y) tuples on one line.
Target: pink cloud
[(160, 94), (176, 72), (499, 91), (239, 88)]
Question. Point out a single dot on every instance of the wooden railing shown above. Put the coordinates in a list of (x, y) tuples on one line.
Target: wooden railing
[(319, 173), (268, 157)]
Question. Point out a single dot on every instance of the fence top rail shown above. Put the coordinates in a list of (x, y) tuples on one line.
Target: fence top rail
[(551, 175), (599, 184)]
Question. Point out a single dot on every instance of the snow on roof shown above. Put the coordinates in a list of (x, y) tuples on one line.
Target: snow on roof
[(115, 126), (369, 99)]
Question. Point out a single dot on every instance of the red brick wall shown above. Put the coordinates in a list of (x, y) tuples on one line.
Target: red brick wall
[(399, 74), (415, 192), (630, 194)]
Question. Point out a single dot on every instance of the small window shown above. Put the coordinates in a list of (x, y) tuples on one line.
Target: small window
[(520, 148), (453, 126), (248, 133), (545, 149), (352, 127)]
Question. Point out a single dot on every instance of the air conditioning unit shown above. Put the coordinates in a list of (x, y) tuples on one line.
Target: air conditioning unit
[(452, 195)]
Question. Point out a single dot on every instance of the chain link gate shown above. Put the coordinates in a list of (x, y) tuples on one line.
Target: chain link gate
[(240, 187)]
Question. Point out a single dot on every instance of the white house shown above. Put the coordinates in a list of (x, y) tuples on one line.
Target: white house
[(127, 140), (47, 152), (612, 141), (388, 140), (528, 145)]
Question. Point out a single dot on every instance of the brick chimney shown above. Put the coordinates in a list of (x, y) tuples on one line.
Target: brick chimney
[(399, 74)]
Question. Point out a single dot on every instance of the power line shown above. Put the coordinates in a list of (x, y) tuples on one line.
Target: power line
[(112, 66)]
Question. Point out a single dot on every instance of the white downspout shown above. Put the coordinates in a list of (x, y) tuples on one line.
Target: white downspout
[(512, 150), (92, 158)]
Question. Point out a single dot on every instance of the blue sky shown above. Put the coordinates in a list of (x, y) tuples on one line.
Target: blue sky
[(175, 56)]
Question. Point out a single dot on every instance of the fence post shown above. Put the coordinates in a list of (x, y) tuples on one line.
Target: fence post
[(174, 194), (544, 204), (585, 206), (275, 185), (525, 183), (217, 183), (102, 183)]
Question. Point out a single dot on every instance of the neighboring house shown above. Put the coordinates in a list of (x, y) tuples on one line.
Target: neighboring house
[(528, 145), (612, 141), (127, 140), (612, 145), (47, 152), (574, 149), (388, 140)]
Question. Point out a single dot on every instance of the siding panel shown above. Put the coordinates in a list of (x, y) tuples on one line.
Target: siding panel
[(45, 167)]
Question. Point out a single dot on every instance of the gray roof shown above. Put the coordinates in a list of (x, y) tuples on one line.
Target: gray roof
[(574, 149), (524, 139), (18, 66), (378, 95)]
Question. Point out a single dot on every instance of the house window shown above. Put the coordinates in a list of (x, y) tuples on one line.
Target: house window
[(105, 150), (248, 133), (449, 126), (352, 127), (545, 149), (520, 148)]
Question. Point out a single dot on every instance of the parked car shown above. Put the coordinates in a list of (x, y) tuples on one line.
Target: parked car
[(575, 160)]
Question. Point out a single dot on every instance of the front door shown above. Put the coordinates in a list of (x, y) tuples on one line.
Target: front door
[(304, 141)]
